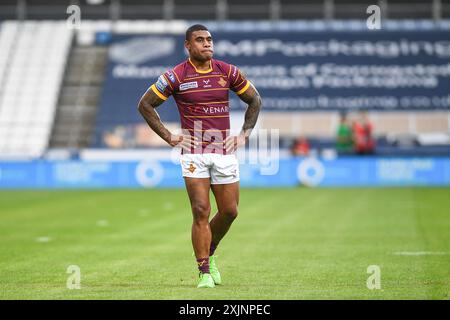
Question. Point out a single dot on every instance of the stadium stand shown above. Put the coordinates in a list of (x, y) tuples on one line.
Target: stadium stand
[(33, 65), (50, 91), (77, 108)]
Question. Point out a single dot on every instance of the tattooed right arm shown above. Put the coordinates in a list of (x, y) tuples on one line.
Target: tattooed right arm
[(147, 105)]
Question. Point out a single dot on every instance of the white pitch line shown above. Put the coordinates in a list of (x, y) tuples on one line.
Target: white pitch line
[(102, 223), (168, 206), (43, 239), (420, 253), (143, 212)]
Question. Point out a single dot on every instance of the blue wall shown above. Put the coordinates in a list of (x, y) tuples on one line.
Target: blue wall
[(349, 171)]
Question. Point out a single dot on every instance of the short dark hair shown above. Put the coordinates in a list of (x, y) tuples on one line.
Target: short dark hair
[(195, 27)]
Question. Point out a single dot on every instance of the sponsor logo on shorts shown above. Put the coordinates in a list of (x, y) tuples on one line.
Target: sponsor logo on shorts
[(188, 85), (161, 84), (191, 168)]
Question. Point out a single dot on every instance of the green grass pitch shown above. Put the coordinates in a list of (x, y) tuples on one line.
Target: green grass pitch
[(286, 244)]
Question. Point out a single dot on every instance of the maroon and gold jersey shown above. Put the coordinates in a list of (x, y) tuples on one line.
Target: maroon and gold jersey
[(202, 99)]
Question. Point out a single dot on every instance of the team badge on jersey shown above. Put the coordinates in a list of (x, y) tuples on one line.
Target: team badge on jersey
[(222, 82), (161, 84)]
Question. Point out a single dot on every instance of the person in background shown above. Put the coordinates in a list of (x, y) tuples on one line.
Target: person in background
[(300, 147), (344, 142), (362, 133)]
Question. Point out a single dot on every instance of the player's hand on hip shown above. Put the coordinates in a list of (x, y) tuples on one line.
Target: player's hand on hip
[(183, 141), (232, 143)]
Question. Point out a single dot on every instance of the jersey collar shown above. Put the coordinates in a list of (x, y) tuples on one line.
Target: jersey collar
[(201, 71)]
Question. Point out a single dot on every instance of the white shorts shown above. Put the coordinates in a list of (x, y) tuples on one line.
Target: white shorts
[(222, 169)]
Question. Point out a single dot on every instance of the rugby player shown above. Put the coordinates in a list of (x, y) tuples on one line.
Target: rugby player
[(200, 86)]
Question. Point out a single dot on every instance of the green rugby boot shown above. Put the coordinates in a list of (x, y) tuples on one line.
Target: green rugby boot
[(205, 281), (215, 274)]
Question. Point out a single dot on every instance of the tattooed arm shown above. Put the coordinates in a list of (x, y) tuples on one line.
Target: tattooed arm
[(253, 99), (147, 105)]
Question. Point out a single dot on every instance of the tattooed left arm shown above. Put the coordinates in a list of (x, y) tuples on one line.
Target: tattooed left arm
[(253, 99)]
